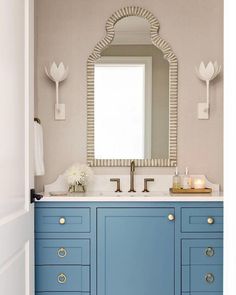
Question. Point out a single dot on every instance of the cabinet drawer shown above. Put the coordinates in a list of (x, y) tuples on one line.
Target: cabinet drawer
[(194, 278), (76, 293), (62, 252), (202, 251), (191, 293), (62, 278), (62, 220), (202, 219)]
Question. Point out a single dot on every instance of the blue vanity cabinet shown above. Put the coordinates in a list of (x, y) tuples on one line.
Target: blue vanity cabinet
[(129, 248), (63, 249), (202, 250), (135, 251)]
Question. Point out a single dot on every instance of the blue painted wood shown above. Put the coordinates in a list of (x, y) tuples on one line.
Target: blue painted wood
[(199, 293), (195, 219), (135, 251), (77, 278), (64, 293), (77, 220), (194, 251), (193, 279), (73, 252), (91, 235)]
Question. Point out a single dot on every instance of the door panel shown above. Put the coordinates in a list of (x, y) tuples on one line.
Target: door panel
[(135, 251), (16, 129)]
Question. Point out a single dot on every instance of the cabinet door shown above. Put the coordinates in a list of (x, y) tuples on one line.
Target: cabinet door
[(135, 254)]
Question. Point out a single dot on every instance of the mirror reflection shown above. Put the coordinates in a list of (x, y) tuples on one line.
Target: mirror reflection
[(131, 96)]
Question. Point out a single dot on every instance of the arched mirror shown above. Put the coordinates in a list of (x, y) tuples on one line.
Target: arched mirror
[(132, 94)]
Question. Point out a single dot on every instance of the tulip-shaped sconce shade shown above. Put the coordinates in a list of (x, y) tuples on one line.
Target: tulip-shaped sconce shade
[(206, 73), (58, 74)]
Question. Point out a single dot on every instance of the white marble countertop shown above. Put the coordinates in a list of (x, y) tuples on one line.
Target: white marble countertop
[(133, 197)]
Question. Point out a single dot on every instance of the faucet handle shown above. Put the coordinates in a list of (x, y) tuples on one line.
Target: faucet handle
[(117, 180), (146, 180)]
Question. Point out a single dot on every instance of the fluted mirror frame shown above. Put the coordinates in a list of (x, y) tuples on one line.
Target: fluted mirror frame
[(169, 55)]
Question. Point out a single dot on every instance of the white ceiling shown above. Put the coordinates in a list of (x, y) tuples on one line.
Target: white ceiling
[(132, 23), (132, 30)]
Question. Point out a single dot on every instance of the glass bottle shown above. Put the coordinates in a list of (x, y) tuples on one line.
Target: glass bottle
[(186, 181), (176, 180)]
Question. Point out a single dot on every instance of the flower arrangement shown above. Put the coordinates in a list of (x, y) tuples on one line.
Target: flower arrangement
[(78, 176)]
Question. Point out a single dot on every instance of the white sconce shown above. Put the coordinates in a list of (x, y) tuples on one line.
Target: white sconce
[(206, 73), (58, 74)]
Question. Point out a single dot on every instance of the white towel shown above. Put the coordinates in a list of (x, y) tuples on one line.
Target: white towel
[(38, 150)]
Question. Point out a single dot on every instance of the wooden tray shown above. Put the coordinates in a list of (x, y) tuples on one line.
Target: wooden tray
[(190, 191)]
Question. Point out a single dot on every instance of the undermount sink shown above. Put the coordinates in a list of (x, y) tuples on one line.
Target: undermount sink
[(112, 194), (126, 194)]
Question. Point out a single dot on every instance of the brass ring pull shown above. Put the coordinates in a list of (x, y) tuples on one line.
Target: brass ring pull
[(209, 252), (210, 220), (209, 277), (62, 252), (171, 217), (62, 220), (61, 278)]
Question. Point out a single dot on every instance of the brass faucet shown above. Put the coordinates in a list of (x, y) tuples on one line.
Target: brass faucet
[(146, 180), (117, 180), (132, 170)]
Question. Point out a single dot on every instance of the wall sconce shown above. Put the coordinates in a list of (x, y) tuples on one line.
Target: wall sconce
[(206, 73), (58, 74)]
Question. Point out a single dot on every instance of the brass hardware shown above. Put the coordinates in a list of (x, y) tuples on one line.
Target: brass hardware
[(209, 252), (62, 220), (209, 277), (132, 170), (146, 180), (61, 278), (117, 180), (62, 252), (171, 217), (210, 220)]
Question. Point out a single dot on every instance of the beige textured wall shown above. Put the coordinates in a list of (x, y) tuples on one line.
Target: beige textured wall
[(67, 30)]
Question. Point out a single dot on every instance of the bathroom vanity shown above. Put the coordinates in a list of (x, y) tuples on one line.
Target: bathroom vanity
[(130, 243), (129, 246)]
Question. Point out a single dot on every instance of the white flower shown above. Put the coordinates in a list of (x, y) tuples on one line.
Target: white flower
[(78, 174), (57, 73), (208, 72)]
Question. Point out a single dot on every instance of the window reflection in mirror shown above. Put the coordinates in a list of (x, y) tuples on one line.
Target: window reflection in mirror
[(132, 136)]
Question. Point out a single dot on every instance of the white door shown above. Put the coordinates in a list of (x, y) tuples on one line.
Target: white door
[(16, 123)]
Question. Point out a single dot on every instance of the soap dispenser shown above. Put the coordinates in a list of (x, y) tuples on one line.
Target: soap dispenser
[(186, 180), (176, 180)]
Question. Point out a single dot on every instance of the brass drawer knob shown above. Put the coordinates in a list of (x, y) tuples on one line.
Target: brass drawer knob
[(209, 277), (61, 278), (210, 220), (62, 252), (62, 220), (171, 217), (209, 252)]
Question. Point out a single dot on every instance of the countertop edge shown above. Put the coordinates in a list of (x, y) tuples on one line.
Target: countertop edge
[(170, 198)]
